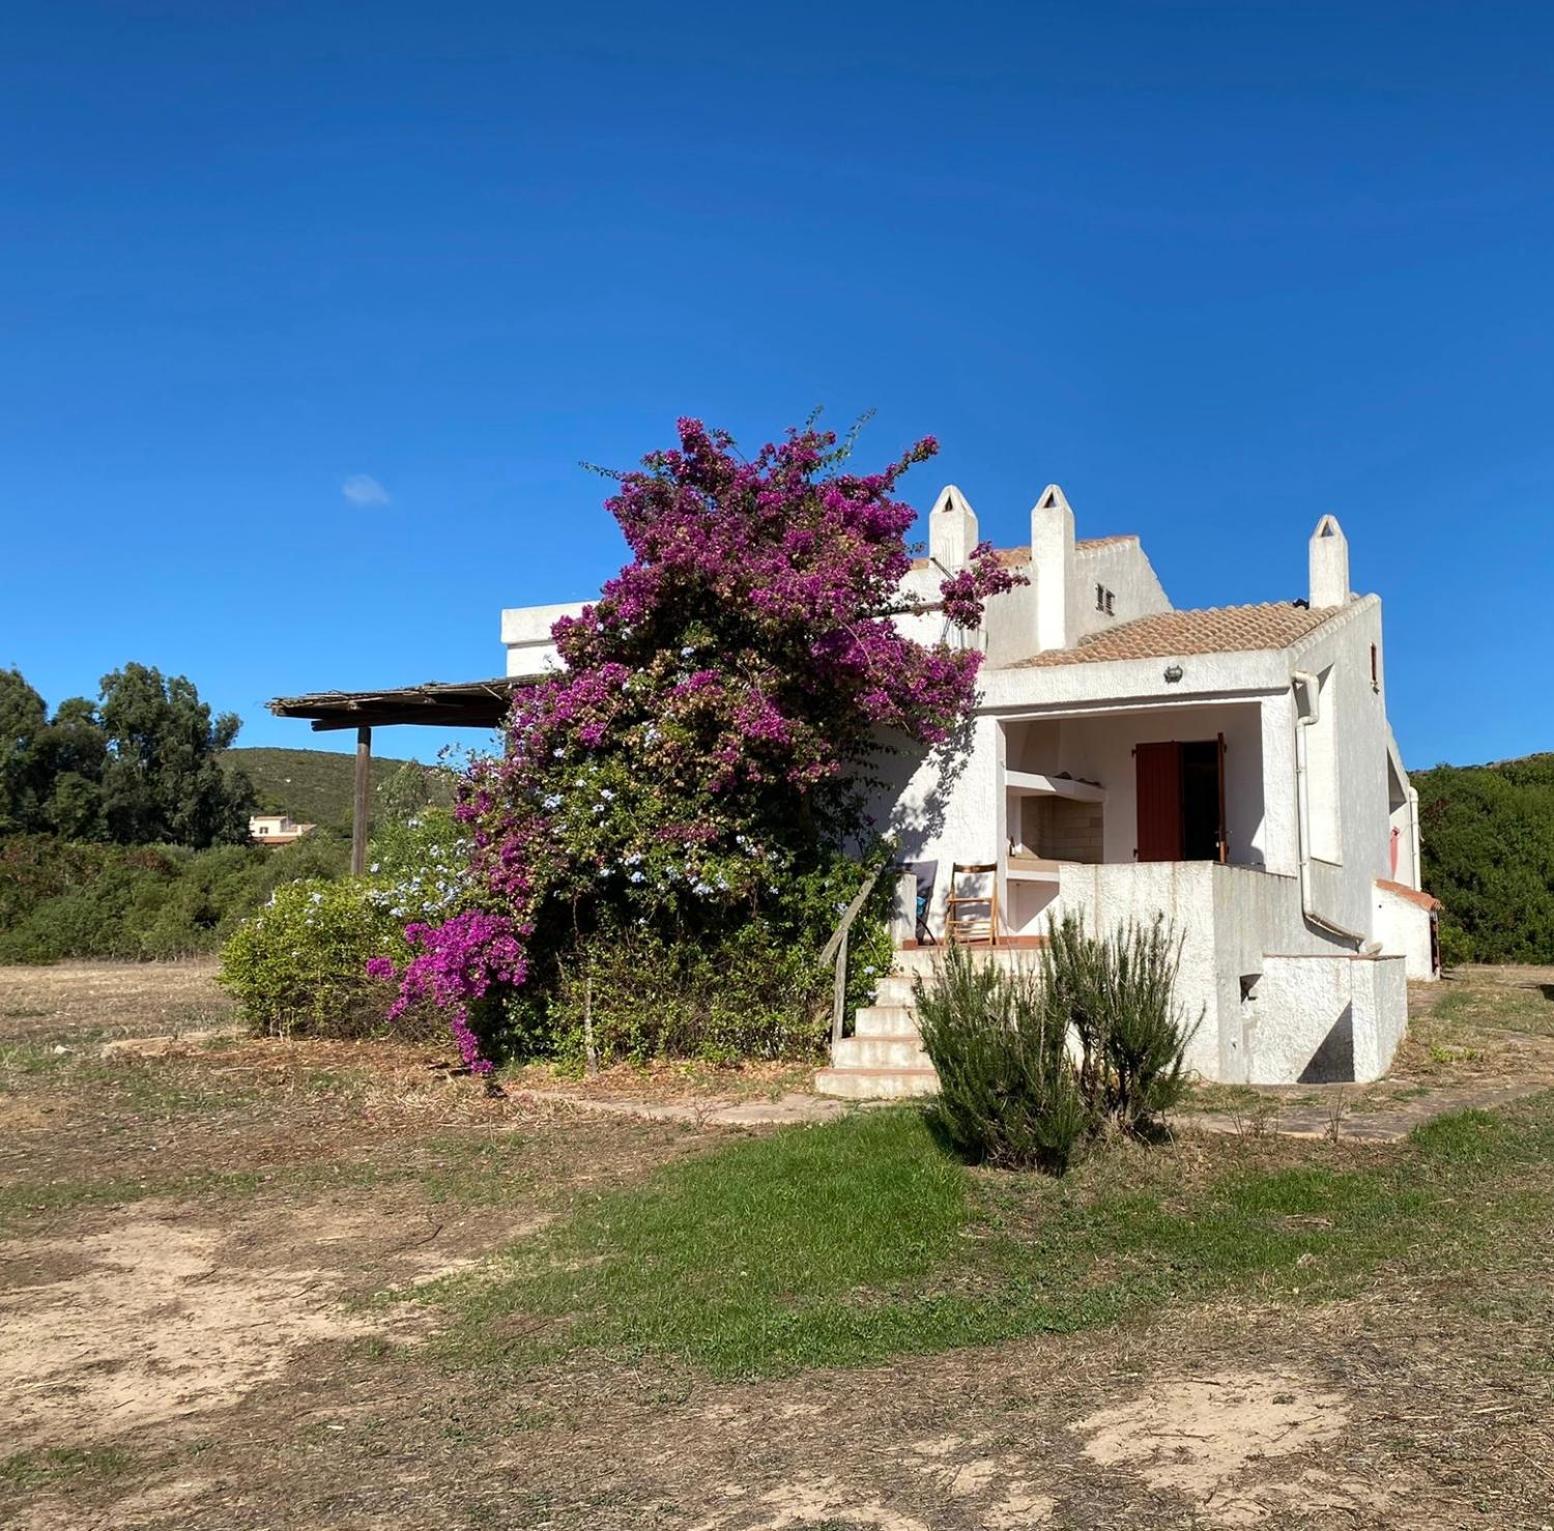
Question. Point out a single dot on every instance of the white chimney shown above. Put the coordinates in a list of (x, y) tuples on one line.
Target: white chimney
[(1052, 551), (1329, 560), (952, 530)]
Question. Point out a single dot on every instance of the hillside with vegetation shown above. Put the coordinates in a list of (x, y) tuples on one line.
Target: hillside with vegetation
[(316, 786), (1488, 838)]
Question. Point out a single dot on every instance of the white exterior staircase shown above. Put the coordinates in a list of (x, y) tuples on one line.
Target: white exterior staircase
[(884, 1058)]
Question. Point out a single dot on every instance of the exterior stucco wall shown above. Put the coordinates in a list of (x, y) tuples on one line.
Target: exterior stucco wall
[(1122, 568), (1009, 621), (1182, 891), (1344, 884), (526, 636), (1403, 928), (943, 805), (1326, 1019), (1231, 921)]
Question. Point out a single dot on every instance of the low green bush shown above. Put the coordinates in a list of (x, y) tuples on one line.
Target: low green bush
[(1117, 994), (1034, 1062), (298, 966), (750, 995), (719, 992), (60, 899), (755, 989), (1008, 1089)]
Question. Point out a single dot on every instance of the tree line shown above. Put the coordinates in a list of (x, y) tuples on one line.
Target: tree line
[(140, 765), (1488, 838)]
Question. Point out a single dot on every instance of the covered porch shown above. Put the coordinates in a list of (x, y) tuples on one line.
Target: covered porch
[(1127, 785)]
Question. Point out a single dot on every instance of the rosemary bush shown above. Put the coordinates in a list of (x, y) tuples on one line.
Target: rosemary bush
[(1034, 1063), (1009, 1091)]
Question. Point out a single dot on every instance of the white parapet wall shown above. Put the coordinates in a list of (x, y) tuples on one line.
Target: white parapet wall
[(1281, 1003), (1403, 926), (1111, 895), (1325, 1020), (526, 636)]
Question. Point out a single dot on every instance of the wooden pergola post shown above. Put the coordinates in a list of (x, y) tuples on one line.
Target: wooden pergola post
[(362, 807)]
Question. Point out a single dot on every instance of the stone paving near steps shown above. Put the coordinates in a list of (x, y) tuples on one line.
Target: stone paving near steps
[(1326, 1117), (1331, 1117)]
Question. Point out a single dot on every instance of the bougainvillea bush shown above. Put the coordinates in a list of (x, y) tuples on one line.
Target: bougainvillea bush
[(697, 766)]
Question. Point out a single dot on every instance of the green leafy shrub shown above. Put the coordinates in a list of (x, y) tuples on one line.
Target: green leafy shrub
[(1487, 834), (60, 900), (298, 967), (755, 989), (1008, 1090), (1117, 995), (425, 859), (1034, 1062), (748, 996)]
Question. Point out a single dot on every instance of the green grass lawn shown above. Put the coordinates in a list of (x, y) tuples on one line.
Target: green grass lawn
[(853, 1241), (1527, 1007)]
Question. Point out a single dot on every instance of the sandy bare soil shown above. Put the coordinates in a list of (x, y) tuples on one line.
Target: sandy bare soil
[(193, 1228)]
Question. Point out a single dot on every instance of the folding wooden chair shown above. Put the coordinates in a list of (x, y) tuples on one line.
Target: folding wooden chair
[(962, 921)]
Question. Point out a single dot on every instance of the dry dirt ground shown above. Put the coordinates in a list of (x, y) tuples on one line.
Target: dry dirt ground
[(192, 1226)]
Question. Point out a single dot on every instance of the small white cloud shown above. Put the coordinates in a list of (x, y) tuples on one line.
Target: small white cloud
[(363, 489)]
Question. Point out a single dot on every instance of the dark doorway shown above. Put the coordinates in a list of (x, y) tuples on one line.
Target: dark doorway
[(1181, 801), (1200, 801)]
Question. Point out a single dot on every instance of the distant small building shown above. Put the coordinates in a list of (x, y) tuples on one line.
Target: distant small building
[(276, 829)]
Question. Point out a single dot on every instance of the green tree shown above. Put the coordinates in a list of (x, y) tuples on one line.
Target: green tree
[(162, 781), (1488, 840), (72, 752), (23, 783), (408, 790)]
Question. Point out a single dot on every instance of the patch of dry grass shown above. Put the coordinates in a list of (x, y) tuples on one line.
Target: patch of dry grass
[(363, 1168)]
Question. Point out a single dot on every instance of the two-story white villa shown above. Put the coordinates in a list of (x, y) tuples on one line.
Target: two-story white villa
[(1231, 768)]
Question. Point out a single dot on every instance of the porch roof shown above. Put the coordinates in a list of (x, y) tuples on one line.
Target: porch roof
[(1212, 630), (440, 704)]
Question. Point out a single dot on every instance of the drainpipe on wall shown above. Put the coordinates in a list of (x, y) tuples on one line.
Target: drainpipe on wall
[(1307, 713)]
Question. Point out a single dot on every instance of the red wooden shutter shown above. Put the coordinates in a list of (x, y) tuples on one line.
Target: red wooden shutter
[(1157, 769)]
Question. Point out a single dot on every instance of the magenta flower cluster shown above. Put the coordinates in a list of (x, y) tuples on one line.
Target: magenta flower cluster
[(715, 706), (457, 963)]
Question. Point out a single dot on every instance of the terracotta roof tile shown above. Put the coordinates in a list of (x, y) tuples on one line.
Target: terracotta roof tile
[(1215, 630), (1413, 895)]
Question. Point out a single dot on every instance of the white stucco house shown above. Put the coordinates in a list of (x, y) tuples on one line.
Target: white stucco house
[(276, 829), (1231, 768)]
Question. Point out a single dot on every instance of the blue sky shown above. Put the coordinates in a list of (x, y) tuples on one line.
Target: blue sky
[(1216, 269)]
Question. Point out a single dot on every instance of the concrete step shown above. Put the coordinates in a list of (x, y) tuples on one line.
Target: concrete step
[(876, 1083), (894, 1052), (894, 989), (920, 961), (885, 1020)]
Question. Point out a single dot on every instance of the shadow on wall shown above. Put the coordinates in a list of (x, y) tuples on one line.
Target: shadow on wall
[(1333, 1061), (916, 822)]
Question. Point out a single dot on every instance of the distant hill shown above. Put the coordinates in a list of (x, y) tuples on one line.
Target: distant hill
[(315, 786), (1487, 833)]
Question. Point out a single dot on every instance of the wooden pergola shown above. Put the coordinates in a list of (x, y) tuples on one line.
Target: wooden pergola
[(436, 704)]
